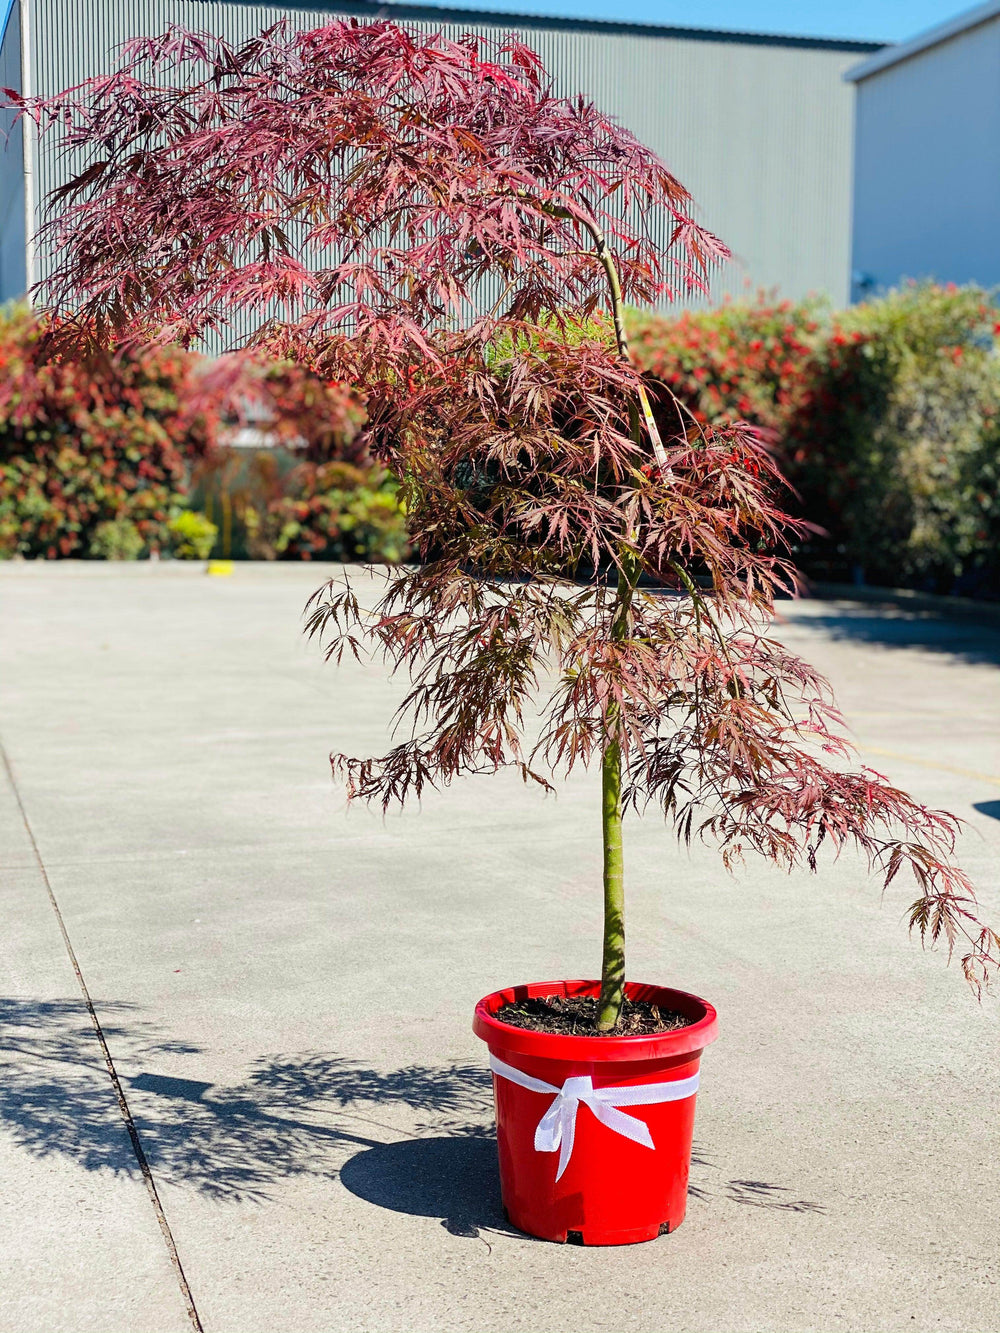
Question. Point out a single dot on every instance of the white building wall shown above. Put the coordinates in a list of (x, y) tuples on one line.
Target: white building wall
[(927, 166)]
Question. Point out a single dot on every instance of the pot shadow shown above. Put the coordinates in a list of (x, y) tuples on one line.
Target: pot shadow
[(456, 1179)]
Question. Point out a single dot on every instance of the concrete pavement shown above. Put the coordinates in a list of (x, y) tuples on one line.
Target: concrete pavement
[(285, 990)]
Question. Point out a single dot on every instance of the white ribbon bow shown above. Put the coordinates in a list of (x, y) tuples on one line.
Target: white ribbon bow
[(557, 1127)]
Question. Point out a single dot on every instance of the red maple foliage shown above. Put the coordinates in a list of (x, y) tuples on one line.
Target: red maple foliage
[(439, 229)]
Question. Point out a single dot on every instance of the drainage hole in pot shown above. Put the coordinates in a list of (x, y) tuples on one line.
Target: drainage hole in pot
[(574, 1237)]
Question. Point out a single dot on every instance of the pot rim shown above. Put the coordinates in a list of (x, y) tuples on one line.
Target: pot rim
[(593, 1050)]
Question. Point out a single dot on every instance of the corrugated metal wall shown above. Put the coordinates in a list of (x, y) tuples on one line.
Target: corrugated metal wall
[(927, 201), (12, 266), (761, 134)]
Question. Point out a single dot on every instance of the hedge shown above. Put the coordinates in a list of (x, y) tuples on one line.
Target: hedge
[(885, 418), (93, 455), (111, 457)]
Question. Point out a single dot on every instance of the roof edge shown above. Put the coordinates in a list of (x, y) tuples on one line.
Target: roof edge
[(893, 55), (608, 27)]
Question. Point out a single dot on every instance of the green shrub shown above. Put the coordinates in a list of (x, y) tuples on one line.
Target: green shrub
[(116, 539), (333, 511), (192, 536), (928, 510)]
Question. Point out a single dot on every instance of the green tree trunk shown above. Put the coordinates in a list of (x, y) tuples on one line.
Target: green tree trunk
[(613, 961)]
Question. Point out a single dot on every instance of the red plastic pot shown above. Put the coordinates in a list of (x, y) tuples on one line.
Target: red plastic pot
[(594, 1133)]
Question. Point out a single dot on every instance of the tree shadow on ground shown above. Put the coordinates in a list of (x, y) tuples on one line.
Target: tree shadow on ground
[(752, 1193), (55, 1093), (891, 627), (293, 1115)]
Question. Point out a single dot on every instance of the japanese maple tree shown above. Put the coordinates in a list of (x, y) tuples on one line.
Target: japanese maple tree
[(443, 232)]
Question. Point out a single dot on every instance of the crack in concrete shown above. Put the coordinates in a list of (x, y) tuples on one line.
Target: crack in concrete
[(123, 1106)]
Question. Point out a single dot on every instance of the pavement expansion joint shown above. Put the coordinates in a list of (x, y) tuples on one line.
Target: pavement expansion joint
[(119, 1091)]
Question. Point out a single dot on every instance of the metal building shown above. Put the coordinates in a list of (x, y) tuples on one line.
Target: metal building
[(758, 127), (927, 165)]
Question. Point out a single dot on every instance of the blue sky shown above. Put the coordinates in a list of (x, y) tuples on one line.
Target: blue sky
[(870, 20)]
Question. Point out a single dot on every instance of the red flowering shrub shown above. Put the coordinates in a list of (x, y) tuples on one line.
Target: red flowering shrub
[(319, 416), (94, 453), (100, 456), (789, 370), (318, 495), (759, 362)]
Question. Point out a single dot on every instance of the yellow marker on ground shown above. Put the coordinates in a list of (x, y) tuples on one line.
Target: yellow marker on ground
[(220, 567)]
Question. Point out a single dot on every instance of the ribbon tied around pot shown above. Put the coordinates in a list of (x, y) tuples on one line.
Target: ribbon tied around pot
[(556, 1130)]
